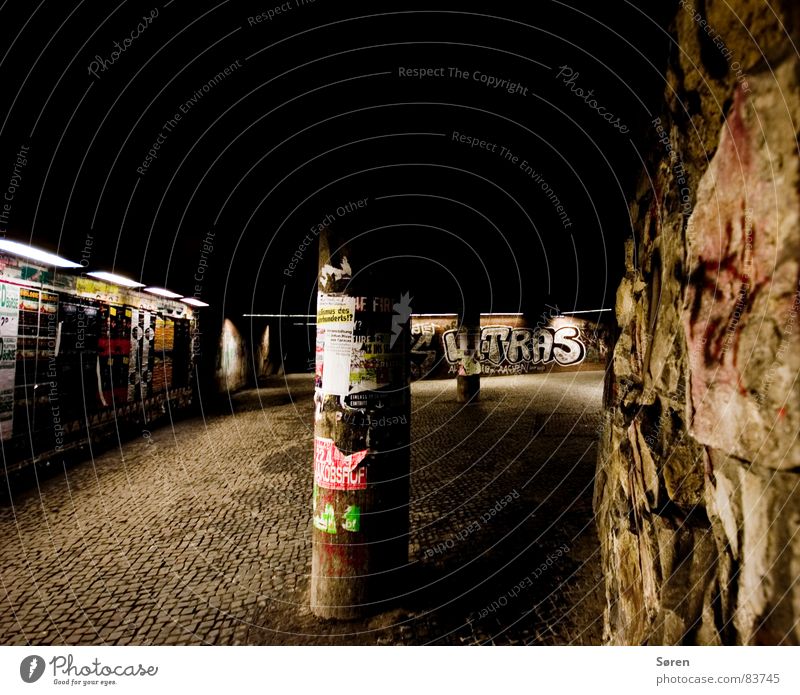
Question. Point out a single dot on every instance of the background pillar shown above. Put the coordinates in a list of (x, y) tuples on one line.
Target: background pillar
[(468, 379)]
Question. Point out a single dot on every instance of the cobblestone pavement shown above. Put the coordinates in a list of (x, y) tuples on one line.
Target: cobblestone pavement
[(201, 534)]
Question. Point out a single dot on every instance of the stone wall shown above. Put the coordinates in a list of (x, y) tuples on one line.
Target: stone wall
[(697, 495)]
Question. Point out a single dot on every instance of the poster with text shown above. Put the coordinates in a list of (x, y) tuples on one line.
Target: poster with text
[(335, 316), (9, 328)]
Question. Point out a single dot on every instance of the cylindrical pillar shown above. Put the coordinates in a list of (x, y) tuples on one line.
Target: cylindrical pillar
[(361, 439), (468, 378)]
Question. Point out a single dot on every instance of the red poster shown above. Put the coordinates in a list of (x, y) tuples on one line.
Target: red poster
[(334, 470)]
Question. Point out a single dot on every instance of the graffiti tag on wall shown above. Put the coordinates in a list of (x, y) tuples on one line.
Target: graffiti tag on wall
[(501, 344), (423, 349), (496, 349), (442, 349)]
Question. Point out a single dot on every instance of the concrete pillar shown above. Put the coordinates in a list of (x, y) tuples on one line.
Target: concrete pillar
[(468, 379), (361, 439)]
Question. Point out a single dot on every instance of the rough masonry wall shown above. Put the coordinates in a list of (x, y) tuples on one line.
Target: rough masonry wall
[(697, 493)]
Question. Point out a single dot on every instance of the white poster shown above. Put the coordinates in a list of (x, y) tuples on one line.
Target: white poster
[(9, 328), (336, 317)]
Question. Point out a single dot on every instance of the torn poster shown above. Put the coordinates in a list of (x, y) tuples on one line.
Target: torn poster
[(334, 470)]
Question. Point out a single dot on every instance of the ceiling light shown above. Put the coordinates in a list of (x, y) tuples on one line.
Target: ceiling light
[(161, 292), (115, 279), (36, 254), (193, 302)]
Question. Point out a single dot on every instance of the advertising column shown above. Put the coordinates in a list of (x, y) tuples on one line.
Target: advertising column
[(361, 440)]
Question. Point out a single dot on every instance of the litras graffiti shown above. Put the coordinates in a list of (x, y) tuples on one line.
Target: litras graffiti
[(505, 344), (504, 349)]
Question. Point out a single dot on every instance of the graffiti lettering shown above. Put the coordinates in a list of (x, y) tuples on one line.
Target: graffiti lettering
[(507, 346), (423, 349), (519, 349), (567, 346), (494, 340)]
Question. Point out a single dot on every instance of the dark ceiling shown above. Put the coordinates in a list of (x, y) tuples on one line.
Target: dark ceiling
[(314, 113)]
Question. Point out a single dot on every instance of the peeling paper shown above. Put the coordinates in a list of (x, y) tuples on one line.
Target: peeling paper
[(331, 272), (319, 401)]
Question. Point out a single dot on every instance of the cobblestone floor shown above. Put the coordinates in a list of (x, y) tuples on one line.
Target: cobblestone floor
[(201, 534)]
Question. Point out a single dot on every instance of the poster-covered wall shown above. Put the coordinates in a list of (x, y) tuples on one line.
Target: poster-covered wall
[(9, 327), (75, 351)]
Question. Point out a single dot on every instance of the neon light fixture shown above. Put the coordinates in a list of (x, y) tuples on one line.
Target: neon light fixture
[(193, 302), (35, 254), (162, 292), (115, 279)]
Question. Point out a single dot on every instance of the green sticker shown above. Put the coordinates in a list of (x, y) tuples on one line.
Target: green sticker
[(326, 521), (352, 518)]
